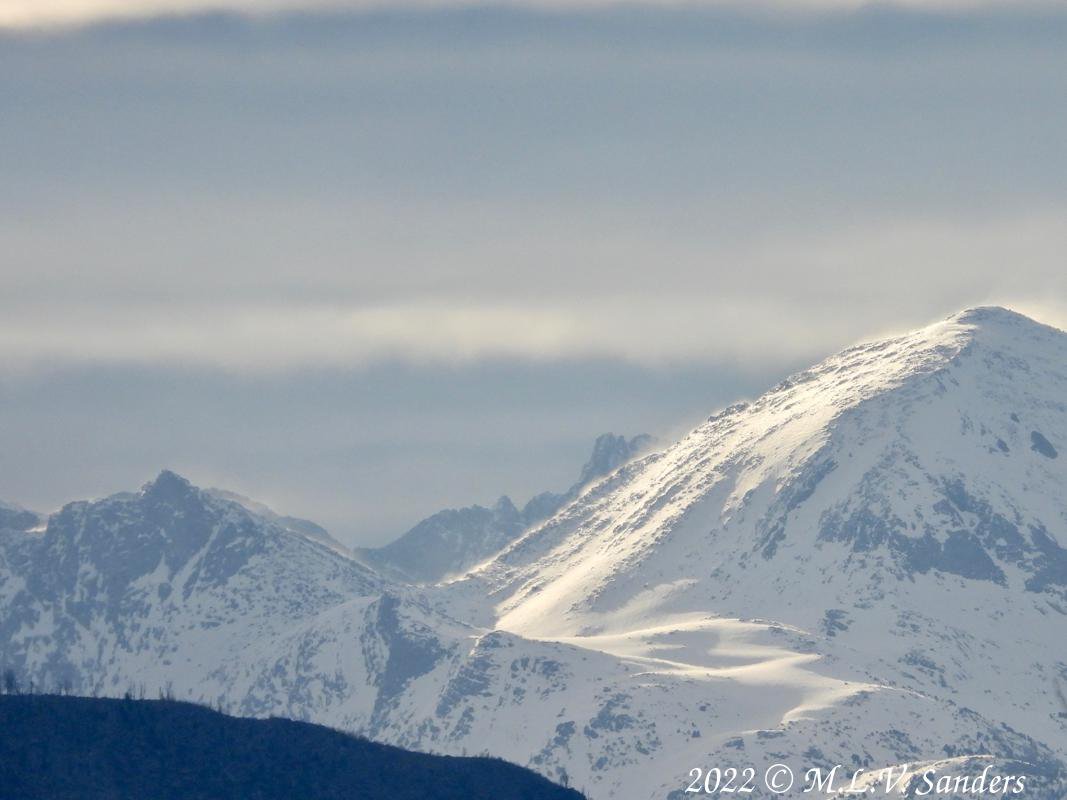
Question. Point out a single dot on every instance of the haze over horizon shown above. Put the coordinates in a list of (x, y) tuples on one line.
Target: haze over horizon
[(362, 265)]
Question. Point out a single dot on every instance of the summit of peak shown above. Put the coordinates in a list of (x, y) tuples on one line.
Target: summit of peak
[(611, 451), (168, 477), (505, 507), (999, 321), (985, 316), (168, 485), (1001, 327), (883, 362)]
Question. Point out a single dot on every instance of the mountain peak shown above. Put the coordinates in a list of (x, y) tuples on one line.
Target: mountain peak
[(989, 314), (907, 360), (827, 456), (505, 507), (168, 486), (999, 318), (997, 329), (609, 452)]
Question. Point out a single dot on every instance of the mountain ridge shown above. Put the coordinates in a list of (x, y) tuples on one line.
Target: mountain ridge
[(863, 563), (853, 499), (916, 364), (451, 541)]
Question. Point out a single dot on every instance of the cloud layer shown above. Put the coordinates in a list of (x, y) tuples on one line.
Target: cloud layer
[(653, 302), (364, 266)]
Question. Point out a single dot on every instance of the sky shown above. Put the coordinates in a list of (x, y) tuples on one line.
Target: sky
[(364, 262), (33, 13)]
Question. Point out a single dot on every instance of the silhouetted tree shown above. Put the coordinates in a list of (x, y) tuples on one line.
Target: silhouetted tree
[(68, 747), (11, 682)]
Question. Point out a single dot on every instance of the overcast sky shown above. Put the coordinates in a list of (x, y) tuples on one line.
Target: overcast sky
[(31, 13), (363, 264)]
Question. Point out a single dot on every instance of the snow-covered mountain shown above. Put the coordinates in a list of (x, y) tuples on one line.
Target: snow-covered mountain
[(302, 527), (452, 541), (900, 507), (864, 566), (16, 518), (448, 542), (155, 583)]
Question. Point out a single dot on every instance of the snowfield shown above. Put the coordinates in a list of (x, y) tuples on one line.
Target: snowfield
[(864, 566)]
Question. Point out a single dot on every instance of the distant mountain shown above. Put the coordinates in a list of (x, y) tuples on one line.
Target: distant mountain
[(175, 588), (75, 748), (302, 527), (16, 518), (452, 541), (866, 566), (161, 577), (448, 542)]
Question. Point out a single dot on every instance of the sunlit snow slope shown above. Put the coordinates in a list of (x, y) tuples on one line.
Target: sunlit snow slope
[(901, 504)]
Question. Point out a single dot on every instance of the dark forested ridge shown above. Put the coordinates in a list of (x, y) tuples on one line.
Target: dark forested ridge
[(93, 748)]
